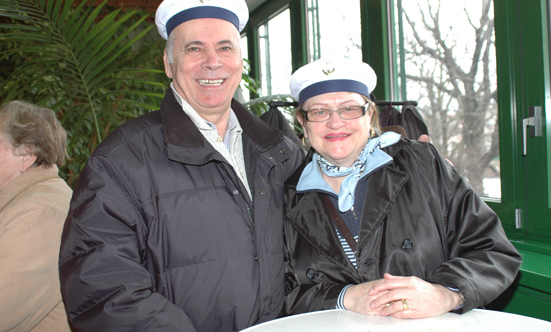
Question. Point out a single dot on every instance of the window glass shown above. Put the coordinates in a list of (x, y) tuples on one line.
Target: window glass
[(242, 94), (275, 55), (445, 60), (334, 29)]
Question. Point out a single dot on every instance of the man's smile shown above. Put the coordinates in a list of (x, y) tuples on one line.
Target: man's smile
[(211, 82)]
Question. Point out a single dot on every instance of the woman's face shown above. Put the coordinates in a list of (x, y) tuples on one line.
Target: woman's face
[(9, 163), (338, 141)]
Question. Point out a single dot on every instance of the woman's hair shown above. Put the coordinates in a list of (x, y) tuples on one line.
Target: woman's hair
[(34, 130), (375, 124)]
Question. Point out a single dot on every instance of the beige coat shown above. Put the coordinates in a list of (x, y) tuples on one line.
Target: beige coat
[(33, 208)]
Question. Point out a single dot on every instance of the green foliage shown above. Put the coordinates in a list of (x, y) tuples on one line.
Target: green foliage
[(96, 67)]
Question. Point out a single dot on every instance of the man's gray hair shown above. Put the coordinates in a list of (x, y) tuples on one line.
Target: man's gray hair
[(169, 48)]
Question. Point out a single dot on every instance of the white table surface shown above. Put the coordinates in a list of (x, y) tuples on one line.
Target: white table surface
[(348, 321)]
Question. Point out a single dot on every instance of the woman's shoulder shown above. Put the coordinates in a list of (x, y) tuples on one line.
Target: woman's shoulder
[(413, 156), (408, 146)]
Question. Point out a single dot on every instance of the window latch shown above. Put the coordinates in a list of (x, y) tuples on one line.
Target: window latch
[(534, 121), (518, 219)]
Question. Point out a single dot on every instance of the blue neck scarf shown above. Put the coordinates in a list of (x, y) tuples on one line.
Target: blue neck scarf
[(370, 159)]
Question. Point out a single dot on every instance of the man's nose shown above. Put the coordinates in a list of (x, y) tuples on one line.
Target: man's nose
[(212, 60)]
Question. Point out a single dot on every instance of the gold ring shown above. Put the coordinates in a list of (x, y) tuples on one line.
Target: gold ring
[(405, 303)]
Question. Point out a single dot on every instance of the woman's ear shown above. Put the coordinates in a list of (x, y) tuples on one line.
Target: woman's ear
[(27, 161), (303, 122)]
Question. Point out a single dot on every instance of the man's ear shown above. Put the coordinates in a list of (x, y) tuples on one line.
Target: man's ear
[(168, 70), (27, 161)]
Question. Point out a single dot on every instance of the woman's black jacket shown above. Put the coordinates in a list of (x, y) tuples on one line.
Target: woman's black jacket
[(420, 218)]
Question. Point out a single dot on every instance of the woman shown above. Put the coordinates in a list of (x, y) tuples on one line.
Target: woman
[(33, 206), (414, 239)]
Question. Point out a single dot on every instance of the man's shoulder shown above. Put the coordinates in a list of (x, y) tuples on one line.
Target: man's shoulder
[(136, 131)]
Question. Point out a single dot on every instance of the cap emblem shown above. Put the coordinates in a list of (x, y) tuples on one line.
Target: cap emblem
[(329, 69)]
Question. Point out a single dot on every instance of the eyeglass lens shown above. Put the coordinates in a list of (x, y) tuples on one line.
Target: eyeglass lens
[(346, 113)]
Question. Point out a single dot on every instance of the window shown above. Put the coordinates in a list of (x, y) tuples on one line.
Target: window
[(446, 61), (275, 55), (334, 29), (242, 94), (479, 77)]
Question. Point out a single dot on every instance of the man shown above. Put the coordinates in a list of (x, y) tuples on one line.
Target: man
[(176, 220)]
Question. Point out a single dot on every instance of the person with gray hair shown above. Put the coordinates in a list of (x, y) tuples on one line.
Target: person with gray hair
[(34, 202), (176, 223)]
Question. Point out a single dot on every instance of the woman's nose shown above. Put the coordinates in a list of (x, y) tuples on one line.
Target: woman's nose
[(335, 120)]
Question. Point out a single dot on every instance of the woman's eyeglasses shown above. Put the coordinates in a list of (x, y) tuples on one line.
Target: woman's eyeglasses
[(345, 113)]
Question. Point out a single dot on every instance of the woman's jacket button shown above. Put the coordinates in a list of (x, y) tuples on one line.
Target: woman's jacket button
[(407, 244), (235, 192), (311, 274)]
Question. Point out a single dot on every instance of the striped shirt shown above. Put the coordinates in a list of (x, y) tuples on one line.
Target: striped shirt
[(347, 250), (350, 254)]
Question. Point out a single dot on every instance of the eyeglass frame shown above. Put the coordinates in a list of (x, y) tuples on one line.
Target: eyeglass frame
[(364, 108)]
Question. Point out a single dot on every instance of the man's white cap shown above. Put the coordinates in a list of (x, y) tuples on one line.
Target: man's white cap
[(332, 75), (172, 13)]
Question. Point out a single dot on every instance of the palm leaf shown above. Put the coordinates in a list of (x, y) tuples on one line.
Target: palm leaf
[(70, 61)]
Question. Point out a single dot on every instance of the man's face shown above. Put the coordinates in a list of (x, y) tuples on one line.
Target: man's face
[(207, 65)]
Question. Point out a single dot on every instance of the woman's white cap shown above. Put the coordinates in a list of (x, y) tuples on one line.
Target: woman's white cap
[(332, 75), (172, 13)]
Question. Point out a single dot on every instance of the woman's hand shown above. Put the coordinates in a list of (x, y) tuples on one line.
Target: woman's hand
[(357, 298), (411, 297)]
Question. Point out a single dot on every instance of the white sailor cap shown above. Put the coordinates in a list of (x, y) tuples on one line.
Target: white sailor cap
[(332, 75), (172, 13)]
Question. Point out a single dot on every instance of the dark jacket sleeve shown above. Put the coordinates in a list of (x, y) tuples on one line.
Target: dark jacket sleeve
[(482, 261), (301, 298), (104, 284)]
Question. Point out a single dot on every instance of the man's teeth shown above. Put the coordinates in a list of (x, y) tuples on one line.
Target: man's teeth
[(211, 82)]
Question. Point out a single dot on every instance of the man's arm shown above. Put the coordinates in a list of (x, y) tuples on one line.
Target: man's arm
[(103, 281)]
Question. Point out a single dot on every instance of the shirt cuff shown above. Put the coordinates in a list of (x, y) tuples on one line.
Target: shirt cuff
[(340, 299)]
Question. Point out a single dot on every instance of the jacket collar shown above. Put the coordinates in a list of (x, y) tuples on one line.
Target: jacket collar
[(31, 176), (183, 138)]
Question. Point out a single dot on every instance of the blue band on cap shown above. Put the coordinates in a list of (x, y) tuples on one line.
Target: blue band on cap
[(332, 86), (201, 12)]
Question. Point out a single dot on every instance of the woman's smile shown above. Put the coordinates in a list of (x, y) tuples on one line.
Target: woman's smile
[(337, 140)]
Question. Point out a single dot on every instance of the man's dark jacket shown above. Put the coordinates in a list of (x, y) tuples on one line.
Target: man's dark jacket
[(162, 236), (420, 218)]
